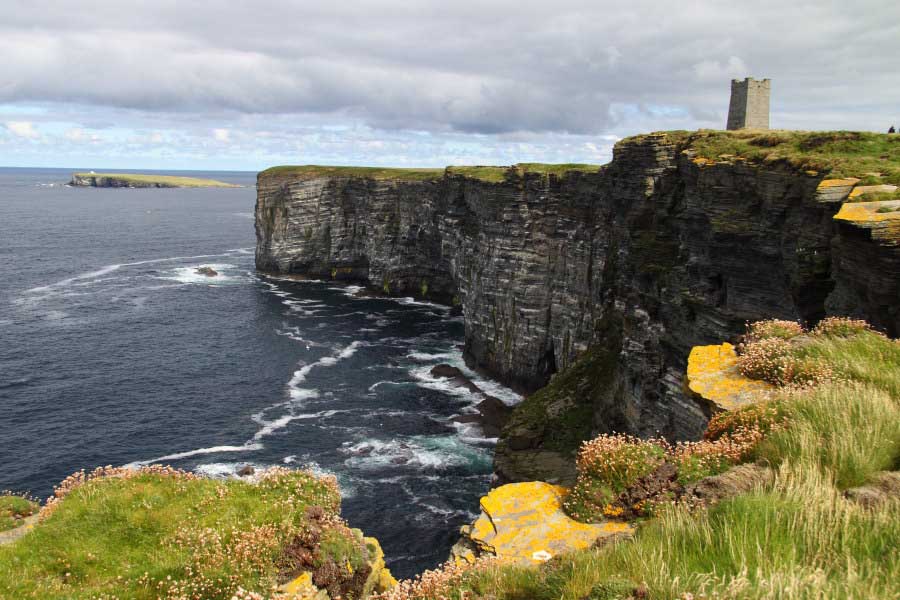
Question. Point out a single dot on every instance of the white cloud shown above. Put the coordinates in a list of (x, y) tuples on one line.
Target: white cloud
[(221, 135), (23, 129), (76, 134), (721, 71)]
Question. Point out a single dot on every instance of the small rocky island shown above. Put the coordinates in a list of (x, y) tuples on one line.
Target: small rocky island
[(141, 180)]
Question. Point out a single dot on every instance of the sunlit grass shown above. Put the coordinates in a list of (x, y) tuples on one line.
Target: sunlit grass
[(172, 535)]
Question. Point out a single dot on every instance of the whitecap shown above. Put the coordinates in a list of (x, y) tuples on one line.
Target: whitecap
[(248, 447)]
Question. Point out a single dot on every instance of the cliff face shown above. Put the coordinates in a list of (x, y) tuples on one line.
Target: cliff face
[(616, 274)]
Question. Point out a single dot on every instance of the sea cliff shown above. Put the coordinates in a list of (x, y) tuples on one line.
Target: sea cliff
[(607, 276)]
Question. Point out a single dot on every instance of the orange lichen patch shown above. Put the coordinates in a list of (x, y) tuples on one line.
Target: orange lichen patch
[(525, 523), (714, 376), (869, 212), (702, 162), (869, 189), (829, 183)]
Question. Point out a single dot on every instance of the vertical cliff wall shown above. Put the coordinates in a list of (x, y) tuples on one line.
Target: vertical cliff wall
[(615, 274)]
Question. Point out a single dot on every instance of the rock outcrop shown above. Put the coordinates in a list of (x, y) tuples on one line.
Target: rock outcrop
[(142, 180), (619, 271), (713, 377), (525, 523)]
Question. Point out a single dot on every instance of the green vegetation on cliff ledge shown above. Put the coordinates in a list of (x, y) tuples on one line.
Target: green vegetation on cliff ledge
[(805, 531), (561, 413), (161, 533), (872, 157)]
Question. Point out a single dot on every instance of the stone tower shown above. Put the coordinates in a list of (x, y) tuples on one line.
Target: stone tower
[(749, 107)]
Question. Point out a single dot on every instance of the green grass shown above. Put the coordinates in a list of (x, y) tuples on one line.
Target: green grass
[(797, 537), (872, 157), (492, 174), (15, 506), (380, 173), (163, 180), (488, 174), (133, 537)]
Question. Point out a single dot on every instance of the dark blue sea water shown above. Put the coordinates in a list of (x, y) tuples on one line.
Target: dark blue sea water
[(114, 351)]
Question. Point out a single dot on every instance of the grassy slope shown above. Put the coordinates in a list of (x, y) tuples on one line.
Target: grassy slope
[(105, 535), (798, 538), (167, 180)]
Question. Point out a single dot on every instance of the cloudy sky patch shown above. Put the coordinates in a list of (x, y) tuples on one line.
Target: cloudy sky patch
[(243, 85)]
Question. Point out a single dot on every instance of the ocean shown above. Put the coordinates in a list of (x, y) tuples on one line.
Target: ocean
[(115, 351)]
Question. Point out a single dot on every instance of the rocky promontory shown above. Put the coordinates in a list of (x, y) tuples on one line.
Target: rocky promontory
[(139, 180), (600, 280)]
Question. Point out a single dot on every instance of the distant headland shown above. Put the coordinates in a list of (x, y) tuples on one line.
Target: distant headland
[(140, 180)]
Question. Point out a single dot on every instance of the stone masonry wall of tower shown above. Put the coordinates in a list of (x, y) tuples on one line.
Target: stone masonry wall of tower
[(749, 107)]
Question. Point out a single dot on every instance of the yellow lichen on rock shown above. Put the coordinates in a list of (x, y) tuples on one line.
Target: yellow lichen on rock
[(835, 190), (525, 522), (713, 375), (828, 183), (302, 588), (380, 579), (862, 212)]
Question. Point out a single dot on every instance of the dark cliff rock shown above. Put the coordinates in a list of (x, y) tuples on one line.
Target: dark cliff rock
[(616, 273)]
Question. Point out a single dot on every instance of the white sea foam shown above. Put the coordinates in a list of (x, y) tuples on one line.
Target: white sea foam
[(410, 301), (426, 452), (269, 427), (454, 358), (380, 383), (425, 356), (248, 447), (348, 290), (221, 470), (89, 275), (190, 274)]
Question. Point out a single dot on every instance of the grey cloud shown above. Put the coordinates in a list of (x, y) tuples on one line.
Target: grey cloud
[(474, 67)]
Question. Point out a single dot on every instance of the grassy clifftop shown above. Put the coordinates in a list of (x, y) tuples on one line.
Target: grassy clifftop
[(872, 157), (494, 174), (162, 533)]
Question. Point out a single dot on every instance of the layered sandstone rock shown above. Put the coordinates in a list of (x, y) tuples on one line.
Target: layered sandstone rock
[(619, 271)]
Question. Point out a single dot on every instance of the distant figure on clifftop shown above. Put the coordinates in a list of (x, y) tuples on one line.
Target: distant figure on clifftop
[(892, 130)]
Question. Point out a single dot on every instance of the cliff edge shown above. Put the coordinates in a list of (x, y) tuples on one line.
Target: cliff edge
[(611, 272)]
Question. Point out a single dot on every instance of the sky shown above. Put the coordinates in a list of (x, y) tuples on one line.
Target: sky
[(241, 85)]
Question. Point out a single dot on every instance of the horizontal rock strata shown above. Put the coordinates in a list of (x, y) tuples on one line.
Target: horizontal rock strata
[(631, 266)]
